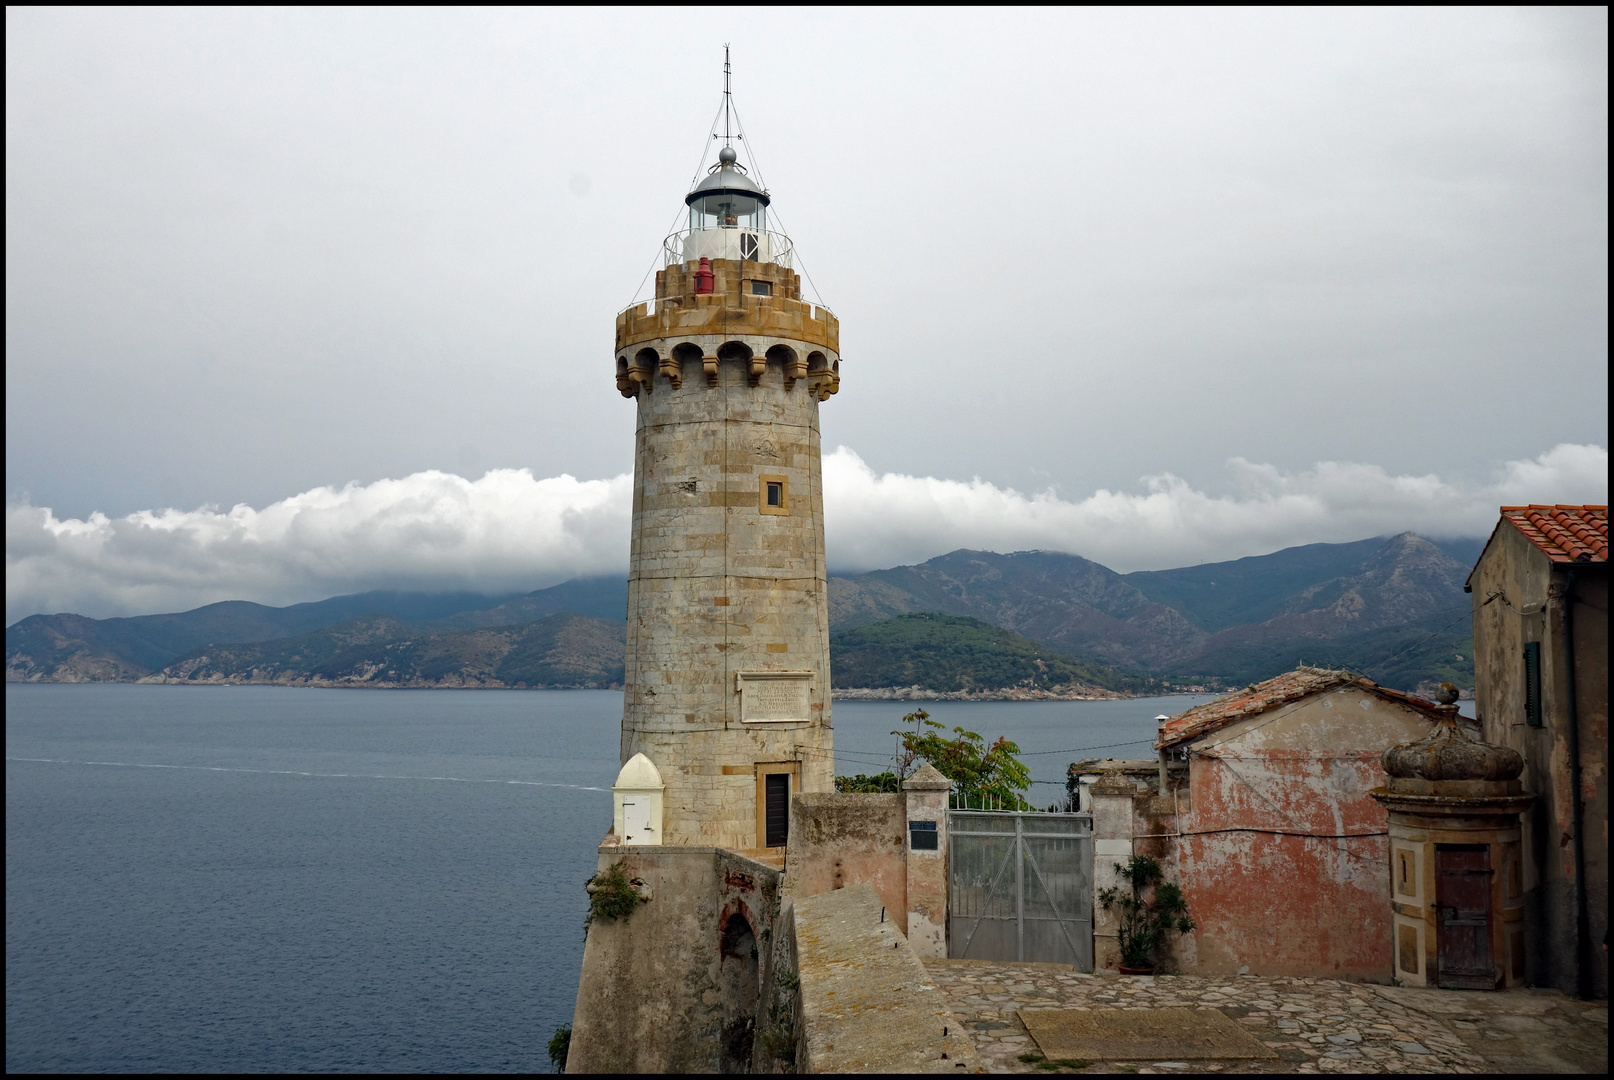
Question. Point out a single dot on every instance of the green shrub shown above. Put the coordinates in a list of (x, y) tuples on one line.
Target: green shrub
[(560, 1044), (611, 895), (1143, 923)]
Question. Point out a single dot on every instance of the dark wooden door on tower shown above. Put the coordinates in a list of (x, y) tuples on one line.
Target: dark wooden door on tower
[(776, 812), (1463, 896)]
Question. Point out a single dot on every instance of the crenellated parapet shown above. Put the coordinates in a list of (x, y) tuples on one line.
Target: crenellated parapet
[(753, 316)]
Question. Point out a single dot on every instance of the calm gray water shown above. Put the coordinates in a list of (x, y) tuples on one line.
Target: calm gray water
[(269, 879)]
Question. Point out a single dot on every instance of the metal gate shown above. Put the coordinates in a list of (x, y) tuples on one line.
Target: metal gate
[(1021, 887)]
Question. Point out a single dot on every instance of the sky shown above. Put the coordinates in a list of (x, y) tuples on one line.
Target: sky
[(300, 302)]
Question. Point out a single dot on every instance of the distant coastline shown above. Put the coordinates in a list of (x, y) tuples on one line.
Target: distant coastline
[(853, 693), (1008, 693)]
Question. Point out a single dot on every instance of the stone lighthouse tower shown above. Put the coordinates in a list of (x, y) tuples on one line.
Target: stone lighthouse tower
[(728, 692)]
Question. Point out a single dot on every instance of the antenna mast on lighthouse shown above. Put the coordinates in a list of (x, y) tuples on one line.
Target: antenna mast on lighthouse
[(728, 96)]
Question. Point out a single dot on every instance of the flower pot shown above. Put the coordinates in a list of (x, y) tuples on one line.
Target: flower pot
[(1136, 970)]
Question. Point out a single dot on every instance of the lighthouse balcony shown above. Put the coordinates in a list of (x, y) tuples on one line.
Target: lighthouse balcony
[(727, 242)]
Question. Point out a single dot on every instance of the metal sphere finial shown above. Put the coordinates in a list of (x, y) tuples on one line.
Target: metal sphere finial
[(726, 155)]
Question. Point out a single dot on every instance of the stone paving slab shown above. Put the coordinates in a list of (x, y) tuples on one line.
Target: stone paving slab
[(1141, 1034), (1313, 1025)]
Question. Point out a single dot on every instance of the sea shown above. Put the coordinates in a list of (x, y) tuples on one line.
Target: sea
[(272, 879)]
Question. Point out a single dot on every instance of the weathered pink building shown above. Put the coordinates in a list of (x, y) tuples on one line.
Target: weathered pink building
[(1270, 829)]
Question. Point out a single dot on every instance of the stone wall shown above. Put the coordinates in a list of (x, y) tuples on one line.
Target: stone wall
[(839, 839), (866, 1004), (780, 1032), (675, 986)]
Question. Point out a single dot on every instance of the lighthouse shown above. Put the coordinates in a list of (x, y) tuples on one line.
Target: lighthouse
[(727, 684)]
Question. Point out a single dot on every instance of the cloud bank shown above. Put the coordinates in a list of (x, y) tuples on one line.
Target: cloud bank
[(883, 520), (511, 531)]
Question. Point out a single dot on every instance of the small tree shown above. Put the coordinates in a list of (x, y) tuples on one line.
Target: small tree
[(1142, 924), (980, 773), (560, 1045)]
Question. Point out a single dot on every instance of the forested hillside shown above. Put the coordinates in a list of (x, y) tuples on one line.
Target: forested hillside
[(948, 653)]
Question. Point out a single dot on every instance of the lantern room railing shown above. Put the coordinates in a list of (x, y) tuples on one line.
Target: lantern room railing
[(690, 244)]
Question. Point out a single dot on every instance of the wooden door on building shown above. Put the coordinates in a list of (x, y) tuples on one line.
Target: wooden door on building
[(1463, 896), (776, 810)]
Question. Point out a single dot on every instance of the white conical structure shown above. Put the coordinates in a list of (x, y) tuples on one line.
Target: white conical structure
[(636, 802)]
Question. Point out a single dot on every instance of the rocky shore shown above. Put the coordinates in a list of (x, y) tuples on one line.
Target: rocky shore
[(454, 681)]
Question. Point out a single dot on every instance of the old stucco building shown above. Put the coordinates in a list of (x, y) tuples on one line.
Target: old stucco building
[(1540, 592), (1262, 810)]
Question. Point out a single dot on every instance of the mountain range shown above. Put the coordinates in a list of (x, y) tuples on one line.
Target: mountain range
[(1391, 607), (1352, 605)]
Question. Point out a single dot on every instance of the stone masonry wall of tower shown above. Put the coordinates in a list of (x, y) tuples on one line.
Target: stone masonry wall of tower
[(727, 579)]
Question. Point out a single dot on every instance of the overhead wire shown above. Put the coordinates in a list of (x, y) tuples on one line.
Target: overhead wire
[(711, 133), (1499, 595), (863, 759), (750, 154), (1467, 614)]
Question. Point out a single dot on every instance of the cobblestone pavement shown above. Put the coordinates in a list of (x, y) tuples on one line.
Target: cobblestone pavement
[(1315, 1025)]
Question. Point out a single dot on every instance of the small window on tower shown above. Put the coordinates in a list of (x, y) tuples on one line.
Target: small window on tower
[(762, 288), (773, 495)]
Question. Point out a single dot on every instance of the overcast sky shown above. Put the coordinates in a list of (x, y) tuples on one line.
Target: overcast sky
[(1082, 259)]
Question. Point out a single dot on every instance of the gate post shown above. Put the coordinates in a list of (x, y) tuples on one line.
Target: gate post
[(1112, 846), (925, 795)]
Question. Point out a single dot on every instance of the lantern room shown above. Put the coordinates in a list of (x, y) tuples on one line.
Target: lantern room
[(727, 198), (728, 218)]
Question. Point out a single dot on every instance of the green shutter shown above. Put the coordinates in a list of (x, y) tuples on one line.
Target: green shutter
[(1532, 683)]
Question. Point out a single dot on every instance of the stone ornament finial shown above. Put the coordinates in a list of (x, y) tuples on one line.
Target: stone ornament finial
[(1449, 753), (1114, 782), (927, 778)]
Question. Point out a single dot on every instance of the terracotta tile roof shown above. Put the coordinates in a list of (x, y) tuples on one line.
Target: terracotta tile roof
[(1565, 534), (1260, 697)]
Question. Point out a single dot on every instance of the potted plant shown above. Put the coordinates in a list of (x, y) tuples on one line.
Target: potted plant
[(1142, 923)]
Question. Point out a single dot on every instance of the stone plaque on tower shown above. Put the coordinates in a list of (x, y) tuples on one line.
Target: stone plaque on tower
[(774, 697)]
